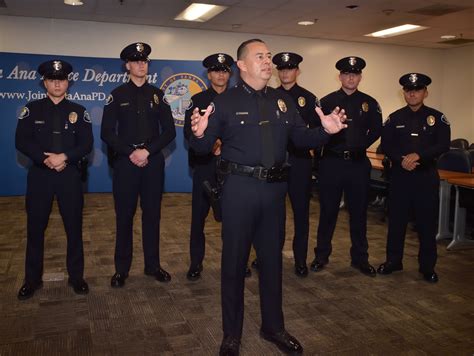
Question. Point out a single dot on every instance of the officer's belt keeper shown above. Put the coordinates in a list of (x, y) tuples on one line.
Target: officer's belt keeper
[(272, 174), (345, 155)]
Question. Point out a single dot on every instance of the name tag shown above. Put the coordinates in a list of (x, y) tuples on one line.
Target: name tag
[(400, 126), (242, 113), (39, 122), (124, 104), (414, 134)]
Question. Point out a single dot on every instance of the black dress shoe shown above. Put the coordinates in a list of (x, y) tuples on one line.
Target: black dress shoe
[(118, 280), (27, 290), (389, 267), (79, 286), (284, 341), (301, 270), (317, 266), (162, 276), (254, 264), (248, 272), (431, 277), (365, 268), (229, 347), (194, 272)]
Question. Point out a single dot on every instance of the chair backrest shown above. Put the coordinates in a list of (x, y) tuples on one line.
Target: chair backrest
[(460, 143), (457, 160)]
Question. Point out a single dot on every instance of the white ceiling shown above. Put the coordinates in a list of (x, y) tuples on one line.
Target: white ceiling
[(278, 17)]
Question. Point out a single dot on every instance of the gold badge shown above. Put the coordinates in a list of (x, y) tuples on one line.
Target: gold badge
[(430, 120), (282, 105), (301, 101), (72, 117), (365, 106), (156, 99)]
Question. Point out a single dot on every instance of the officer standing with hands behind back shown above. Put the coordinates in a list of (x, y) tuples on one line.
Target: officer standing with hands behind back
[(55, 134), (413, 137), (137, 125)]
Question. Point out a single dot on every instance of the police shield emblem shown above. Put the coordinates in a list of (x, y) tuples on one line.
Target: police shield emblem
[(57, 65), (365, 106), (282, 105), (72, 117), (140, 47), (285, 57), (413, 78), (221, 58), (352, 61), (430, 120), (301, 101), (156, 99)]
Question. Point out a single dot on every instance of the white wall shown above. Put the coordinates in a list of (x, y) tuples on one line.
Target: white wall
[(385, 63)]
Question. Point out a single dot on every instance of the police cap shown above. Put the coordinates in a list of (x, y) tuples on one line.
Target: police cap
[(287, 60), (218, 62), (350, 65), (412, 81), (137, 51), (55, 69)]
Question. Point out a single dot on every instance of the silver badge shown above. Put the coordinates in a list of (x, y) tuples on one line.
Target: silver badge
[(413, 78), (352, 61), (285, 57), (57, 65), (140, 47), (221, 58)]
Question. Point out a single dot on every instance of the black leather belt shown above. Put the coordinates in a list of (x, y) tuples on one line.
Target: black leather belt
[(345, 155), (272, 174)]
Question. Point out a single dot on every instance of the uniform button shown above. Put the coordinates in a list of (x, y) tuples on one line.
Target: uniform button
[(242, 122)]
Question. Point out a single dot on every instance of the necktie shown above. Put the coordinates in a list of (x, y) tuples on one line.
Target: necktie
[(266, 133), (57, 131)]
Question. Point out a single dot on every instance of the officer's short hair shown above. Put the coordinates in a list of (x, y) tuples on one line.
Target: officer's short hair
[(242, 50)]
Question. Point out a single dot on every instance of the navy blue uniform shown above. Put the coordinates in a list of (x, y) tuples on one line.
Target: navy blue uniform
[(344, 167), (204, 168), (253, 210), (427, 133), (57, 128), (136, 117), (299, 180)]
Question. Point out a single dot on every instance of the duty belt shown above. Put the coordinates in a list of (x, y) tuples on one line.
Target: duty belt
[(272, 174), (345, 155)]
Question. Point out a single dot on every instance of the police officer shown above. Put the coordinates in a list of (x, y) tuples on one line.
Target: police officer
[(254, 123), (344, 166), (300, 160), (137, 125), (204, 167), (413, 137), (55, 134)]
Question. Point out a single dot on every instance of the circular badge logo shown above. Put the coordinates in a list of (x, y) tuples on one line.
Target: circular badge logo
[(430, 120), (178, 90)]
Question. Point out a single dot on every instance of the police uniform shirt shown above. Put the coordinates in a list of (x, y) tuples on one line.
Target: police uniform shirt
[(37, 130), (425, 132), (135, 115), (237, 122), (364, 120), (200, 100)]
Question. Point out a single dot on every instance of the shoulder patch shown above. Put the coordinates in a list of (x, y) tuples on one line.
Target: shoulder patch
[(379, 109), (445, 120), (386, 122), (87, 117), (213, 108), (317, 102), (109, 100), (25, 112)]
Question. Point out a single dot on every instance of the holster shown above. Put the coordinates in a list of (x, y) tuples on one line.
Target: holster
[(82, 166), (214, 195)]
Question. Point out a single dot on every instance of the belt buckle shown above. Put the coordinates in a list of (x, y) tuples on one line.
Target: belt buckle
[(260, 173), (346, 155)]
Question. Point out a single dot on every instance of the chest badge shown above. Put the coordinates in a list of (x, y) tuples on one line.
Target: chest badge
[(156, 99), (430, 120), (301, 101), (282, 105), (365, 106), (72, 117)]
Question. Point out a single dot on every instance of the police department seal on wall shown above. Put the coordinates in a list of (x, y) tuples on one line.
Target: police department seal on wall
[(178, 90)]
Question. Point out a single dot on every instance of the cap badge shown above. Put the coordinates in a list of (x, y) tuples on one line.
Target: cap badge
[(430, 120), (413, 78), (282, 105), (221, 58), (365, 106), (72, 117), (57, 65), (285, 57), (140, 47), (155, 99), (301, 101), (352, 61)]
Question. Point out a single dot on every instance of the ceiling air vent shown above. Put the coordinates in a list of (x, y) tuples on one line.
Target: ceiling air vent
[(458, 41), (438, 10)]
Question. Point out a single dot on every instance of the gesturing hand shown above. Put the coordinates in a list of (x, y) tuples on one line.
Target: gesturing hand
[(199, 122), (334, 122)]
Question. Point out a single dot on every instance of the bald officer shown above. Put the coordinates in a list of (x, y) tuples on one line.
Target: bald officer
[(345, 168), (55, 134), (137, 125), (413, 137)]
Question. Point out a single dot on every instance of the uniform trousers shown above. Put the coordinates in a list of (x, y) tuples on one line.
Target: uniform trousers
[(299, 192), (352, 177), (253, 212), (418, 192), (129, 183), (42, 185), (200, 209)]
